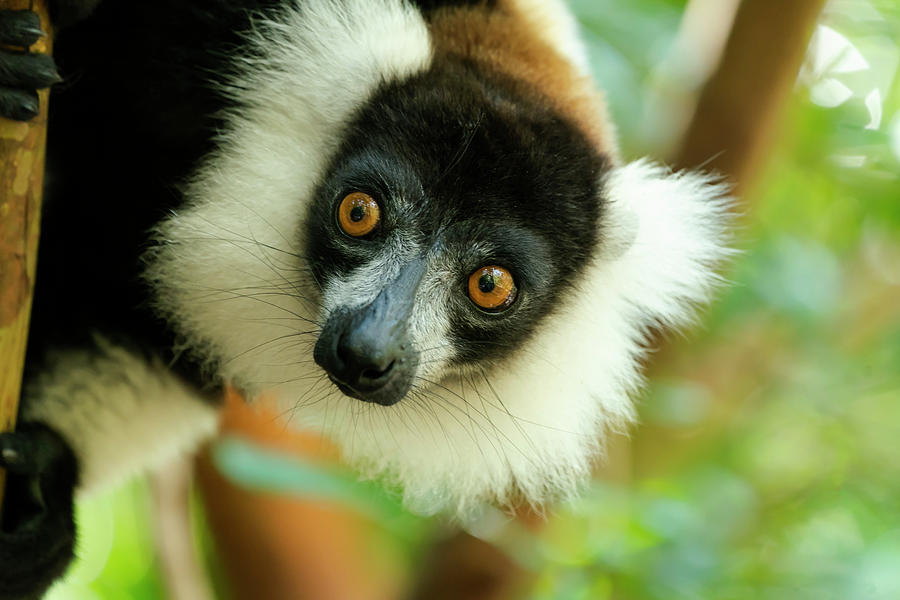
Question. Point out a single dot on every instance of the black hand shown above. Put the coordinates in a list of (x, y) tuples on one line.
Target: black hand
[(37, 534), (22, 73)]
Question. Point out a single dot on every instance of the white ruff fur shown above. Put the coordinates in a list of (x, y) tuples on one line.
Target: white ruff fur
[(231, 278)]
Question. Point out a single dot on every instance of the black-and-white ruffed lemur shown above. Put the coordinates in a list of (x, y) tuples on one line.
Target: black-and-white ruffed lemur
[(406, 220)]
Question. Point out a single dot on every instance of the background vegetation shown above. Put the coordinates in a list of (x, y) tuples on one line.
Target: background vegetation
[(767, 462)]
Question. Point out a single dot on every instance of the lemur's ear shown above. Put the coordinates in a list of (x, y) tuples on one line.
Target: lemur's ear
[(666, 232)]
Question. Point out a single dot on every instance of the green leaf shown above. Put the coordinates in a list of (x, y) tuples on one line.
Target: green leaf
[(254, 467)]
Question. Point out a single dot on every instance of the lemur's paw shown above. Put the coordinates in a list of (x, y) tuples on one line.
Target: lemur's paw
[(21, 72), (37, 533)]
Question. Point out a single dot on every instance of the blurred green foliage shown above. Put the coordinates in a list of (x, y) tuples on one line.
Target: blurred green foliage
[(767, 465), (255, 468), (114, 549)]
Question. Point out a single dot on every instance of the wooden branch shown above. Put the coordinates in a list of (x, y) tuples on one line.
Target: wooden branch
[(22, 147), (740, 105), (463, 567)]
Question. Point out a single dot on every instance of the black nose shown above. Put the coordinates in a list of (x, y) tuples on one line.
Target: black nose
[(368, 362), (365, 363)]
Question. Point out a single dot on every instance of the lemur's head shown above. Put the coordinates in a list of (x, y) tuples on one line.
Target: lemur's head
[(456, 214), (417, 231)]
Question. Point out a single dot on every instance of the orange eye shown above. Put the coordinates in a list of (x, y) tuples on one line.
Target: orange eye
[(492, 288), (359, 214)]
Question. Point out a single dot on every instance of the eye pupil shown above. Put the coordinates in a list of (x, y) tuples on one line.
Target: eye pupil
[(486, 284), (357, 214)]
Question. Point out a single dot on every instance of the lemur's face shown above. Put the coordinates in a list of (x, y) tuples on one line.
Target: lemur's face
[(444, 238), (452, 219)]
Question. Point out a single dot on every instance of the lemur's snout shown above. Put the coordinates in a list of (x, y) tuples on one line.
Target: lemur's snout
[(366, 350), (364, 360), (366, 356)]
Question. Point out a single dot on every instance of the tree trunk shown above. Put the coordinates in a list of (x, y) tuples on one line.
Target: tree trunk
[(740, 105), (22, 148)]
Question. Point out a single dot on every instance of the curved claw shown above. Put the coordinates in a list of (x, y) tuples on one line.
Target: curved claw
[(18, 105), (20, 28), (22, 70)]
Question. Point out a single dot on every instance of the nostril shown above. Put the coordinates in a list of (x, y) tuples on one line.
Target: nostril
[(372, 374)]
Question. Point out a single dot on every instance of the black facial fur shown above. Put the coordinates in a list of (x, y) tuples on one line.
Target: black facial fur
[(475, 164)]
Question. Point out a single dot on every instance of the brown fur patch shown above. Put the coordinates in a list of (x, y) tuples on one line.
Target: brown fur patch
[(506, 40)]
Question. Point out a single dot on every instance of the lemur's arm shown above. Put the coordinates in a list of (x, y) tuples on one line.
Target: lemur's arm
[(112, 406), (118, 411), (91, 413), (89, 418)]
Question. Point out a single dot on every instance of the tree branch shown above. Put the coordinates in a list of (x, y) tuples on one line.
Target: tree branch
[(22, 147), (739, 107)]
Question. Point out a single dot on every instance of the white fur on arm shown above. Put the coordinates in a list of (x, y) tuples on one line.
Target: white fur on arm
[(119, 413)]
